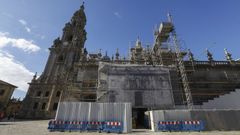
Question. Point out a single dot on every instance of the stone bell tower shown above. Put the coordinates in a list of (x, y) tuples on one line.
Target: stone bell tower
[(67, 50), (46, 91)]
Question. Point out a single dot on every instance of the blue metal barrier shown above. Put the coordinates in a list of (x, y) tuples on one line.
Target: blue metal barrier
[(194, 125), (162, 126), (176, 126), (76, 126), (94, 126), (56, 125), (113, 127), (200, 126), (109, 126), (51, 125), (169, 126)]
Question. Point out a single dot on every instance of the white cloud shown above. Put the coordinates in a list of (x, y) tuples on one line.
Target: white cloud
[(25, 45), (117, 15), (24, 23), (14, 72), (28, 29)]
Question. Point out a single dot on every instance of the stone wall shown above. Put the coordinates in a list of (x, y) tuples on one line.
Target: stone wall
[(6, 92)]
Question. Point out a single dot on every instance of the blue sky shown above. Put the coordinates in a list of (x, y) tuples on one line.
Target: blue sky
[(28, 28)]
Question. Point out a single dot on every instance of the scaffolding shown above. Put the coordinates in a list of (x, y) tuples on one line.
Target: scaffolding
[(167, 32), (188, 87)]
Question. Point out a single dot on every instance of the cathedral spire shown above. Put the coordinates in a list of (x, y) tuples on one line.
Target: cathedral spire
[(106, 57), (117, 54), (82, 6), (112, 57), (138, 43), (74, 31), (34, 77), (79, 17)]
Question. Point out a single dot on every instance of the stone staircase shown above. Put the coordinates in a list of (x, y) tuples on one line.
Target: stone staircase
[(227, 101)]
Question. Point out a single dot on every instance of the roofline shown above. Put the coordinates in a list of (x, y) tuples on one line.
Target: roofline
[(1, 81)]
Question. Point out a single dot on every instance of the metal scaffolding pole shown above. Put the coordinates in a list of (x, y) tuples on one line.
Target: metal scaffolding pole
[(181, 66)]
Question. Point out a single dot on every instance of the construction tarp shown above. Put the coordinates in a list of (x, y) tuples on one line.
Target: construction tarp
[(91, 111), (213, 119)]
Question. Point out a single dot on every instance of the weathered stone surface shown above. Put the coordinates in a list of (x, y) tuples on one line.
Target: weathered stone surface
[(6, 91), (143, 85), (60, 73), (147, 78)]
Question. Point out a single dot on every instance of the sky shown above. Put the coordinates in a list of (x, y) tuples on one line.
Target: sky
[(28, 28)]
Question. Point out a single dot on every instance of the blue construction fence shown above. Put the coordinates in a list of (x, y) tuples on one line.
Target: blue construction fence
[(194, 125), (81, 126)]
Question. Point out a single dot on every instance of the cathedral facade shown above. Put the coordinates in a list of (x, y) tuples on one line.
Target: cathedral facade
[(149, 78)]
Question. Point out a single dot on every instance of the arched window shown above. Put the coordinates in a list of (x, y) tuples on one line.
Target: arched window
[(55, 105), (70, 38), (61, 58), (2, 92), (38, 94), (35, 106), (47, 94), (58, 94), (43, 106)]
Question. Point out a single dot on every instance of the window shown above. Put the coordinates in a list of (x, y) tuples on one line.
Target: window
[(39, 93), (35, 106), (58, 94), (43, 106), (2, 92), (61, 58), (55, 105), (47, 94), (70, 38)]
